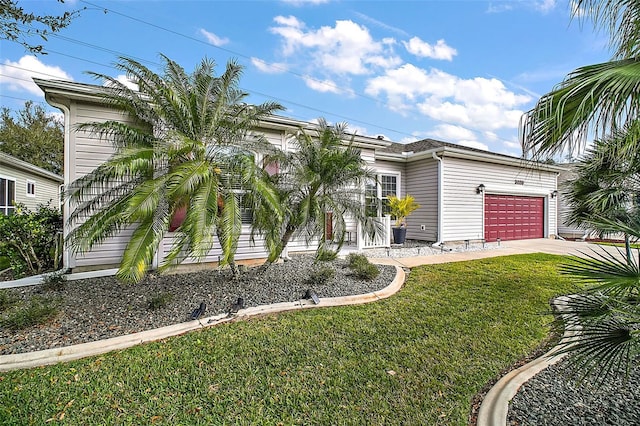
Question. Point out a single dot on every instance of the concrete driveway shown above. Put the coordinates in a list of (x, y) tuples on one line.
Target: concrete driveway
[(542, 245)]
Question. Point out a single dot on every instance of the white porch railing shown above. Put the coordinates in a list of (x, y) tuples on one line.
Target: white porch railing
[(381, 240)]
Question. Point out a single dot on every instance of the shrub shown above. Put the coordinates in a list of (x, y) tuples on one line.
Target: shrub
[(361, 267), (31, 240), (160, 301), (355, 259), (322, 275), (6, 300), (37, 311), (324, 255), (54, 281)]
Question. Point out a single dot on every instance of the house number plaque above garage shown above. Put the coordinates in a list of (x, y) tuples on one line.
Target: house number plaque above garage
[(519, 182)]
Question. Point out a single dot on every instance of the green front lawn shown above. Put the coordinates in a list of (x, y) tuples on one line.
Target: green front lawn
[(418, 357)]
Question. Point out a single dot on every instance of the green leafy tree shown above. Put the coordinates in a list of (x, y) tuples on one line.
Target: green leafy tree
[(188, 139), (31, 239), (19, 25), (319, 176), (34, 136), (600, 100)]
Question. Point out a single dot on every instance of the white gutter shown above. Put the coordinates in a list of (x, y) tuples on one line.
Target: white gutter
[(440, 201), (469, 155), (67, 178)]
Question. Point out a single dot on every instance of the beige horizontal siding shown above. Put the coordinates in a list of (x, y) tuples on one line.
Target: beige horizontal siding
[(463, 207), (422, 184)]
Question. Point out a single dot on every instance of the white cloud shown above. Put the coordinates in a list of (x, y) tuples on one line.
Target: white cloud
[(423, 49), (474, 144), (214, 39), (451, 133), (545, 5), (269, 68), (323, 86), (346, 48), (381, 24), (499, 7), (18, 75), (512, 144), (478, 103), (458, 135), (127, 82)]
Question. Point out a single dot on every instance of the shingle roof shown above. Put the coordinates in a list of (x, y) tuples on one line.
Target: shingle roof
[(429, 144)]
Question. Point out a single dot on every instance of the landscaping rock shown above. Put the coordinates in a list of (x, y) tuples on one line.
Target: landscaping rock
[(100, 308)]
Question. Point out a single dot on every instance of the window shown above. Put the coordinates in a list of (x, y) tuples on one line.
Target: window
[(7, 196), (377, 193), (31, 188)]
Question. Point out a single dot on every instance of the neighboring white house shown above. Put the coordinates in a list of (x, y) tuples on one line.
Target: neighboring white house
[(24, 183), (464, 193)]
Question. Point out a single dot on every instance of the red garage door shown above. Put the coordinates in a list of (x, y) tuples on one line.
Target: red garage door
[(510, 217)]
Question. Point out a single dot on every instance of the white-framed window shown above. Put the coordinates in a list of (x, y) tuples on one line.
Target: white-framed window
[(377, 193), (31, 188), (7, 196)]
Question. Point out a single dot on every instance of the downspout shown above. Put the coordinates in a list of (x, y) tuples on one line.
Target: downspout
[(66, 255), (440, 201)]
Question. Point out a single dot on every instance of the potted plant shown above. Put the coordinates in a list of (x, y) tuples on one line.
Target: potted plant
[(400, 208)]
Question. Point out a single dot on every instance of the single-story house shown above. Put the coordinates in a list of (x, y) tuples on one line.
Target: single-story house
[(464, 193), (24, 183)]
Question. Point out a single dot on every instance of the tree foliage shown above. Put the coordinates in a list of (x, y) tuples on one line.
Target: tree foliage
[(186, 144), (600, 100), (19, 25), (33, 135), (319, 176), (31, 239)]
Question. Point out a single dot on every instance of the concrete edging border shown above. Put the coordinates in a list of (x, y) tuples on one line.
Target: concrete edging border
[(495, 405), (82, 350)]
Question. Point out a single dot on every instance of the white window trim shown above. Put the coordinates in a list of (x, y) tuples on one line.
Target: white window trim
[(29, 181), (379, 174), (5, 209)]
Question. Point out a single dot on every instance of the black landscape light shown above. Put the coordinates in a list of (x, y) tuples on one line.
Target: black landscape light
[(237, 306), (199, 311), (310, 294)]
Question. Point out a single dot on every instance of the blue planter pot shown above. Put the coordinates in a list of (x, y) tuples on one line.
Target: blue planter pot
[(399, 235)]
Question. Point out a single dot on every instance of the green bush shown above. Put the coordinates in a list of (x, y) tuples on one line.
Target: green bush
[(324, 255), (31, 240), (37, 311), (6, 300), (54, 281), (322, 275), (159, 301), (361, 267)]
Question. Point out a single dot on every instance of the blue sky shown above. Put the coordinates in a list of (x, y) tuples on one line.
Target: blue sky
[(458, 71)]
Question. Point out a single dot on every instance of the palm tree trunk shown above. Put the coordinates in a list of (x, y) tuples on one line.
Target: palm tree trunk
[(627, 248), (286, 237)]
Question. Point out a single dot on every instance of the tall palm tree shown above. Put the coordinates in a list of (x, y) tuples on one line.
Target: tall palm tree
[(320, 176), (186, 138), (600, 100), (607, 184)]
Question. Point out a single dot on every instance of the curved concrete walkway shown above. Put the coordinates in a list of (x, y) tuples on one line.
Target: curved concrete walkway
[(68, 353)]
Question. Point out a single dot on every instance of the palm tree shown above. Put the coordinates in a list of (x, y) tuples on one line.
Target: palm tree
[(320, 176), (187, 138), (607, 184), (600, 100)]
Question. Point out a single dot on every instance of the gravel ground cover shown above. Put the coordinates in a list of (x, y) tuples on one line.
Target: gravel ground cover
[(555, 397), (100, 308)]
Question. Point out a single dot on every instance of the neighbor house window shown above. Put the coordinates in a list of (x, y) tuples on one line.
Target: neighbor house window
[(377, 194), (7, 196), (31, 188)]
